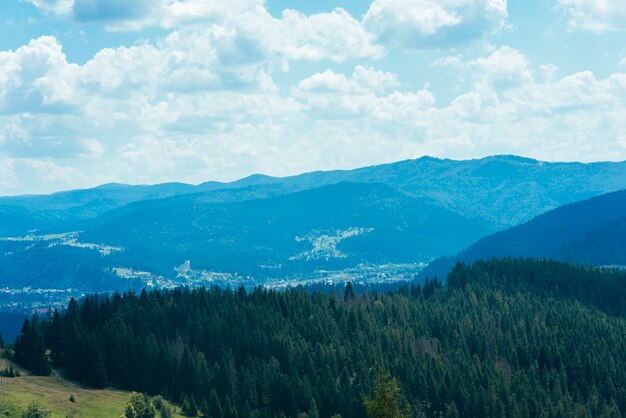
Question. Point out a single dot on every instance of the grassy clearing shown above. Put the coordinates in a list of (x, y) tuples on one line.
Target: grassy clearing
[(54, 392)]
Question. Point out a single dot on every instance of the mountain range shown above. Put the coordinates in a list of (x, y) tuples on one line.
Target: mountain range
[(372, 222)]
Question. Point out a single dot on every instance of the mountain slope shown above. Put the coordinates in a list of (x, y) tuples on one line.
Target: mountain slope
[(503, 190), (588, 232), (333, 226), (59, 210)]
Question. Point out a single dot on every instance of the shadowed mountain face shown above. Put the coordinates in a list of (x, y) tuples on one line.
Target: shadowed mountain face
[(268, 228), (588, 232)]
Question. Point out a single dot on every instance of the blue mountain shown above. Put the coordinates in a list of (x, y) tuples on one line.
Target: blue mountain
[(591, 232)]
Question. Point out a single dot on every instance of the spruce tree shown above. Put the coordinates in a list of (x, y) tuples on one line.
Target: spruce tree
[(139, 406), (386, 400), (349, 293), (313, 412), (189, 406), (215, 406), (36, 410)]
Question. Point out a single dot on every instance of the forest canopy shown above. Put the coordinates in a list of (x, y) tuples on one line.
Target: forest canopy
[(503, 338)]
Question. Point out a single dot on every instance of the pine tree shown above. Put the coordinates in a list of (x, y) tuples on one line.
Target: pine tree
[(189, 406), (228, 409), (204, 407), (215, 406), (39, 363), (139, 406), (349, 293), (36, 410), (313, 413)]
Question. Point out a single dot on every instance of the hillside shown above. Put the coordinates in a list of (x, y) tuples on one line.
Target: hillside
[(54, 392), (504, 338), (331, 227), (587, 232)]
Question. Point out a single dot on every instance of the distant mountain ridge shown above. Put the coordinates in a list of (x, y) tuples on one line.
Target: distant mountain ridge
[(504, 190)]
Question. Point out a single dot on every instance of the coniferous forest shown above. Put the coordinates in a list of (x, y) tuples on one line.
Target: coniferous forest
[(504, 338)]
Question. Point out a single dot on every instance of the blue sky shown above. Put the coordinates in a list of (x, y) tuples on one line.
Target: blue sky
[(147, 91)]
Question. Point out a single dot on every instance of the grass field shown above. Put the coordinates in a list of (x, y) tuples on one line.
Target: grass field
[(54, 392)]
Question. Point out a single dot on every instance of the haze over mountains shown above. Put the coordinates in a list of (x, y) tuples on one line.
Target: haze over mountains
[(370, 223)]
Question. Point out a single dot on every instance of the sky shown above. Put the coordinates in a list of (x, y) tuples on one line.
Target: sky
[(151, 91)]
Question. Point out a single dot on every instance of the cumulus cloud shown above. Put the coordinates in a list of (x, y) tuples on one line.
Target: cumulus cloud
[(418, 24), (597, 16), (504, 68), (364, 80), (28, 77), (335, 35), (365, 94), (576, 117)]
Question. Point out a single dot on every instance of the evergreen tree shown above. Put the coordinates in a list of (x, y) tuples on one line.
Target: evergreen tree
[(386, 401), (39, 364), (229, 410), (30, 348), (313, 412), (139, 406), (349, 292), (204, 408), (36, 410), (215, 406), (189, 406)]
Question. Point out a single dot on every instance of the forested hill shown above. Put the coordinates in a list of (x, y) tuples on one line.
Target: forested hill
[(505, 338), (592, 231)]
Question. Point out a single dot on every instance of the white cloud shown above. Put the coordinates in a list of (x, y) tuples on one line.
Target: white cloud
[(201, 104), (24, 84), (418, 24), (58, 7), (335, 36), (375, 80), (597, 16), (365, 80), (504, 68), (577, 117), (37, 176)]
